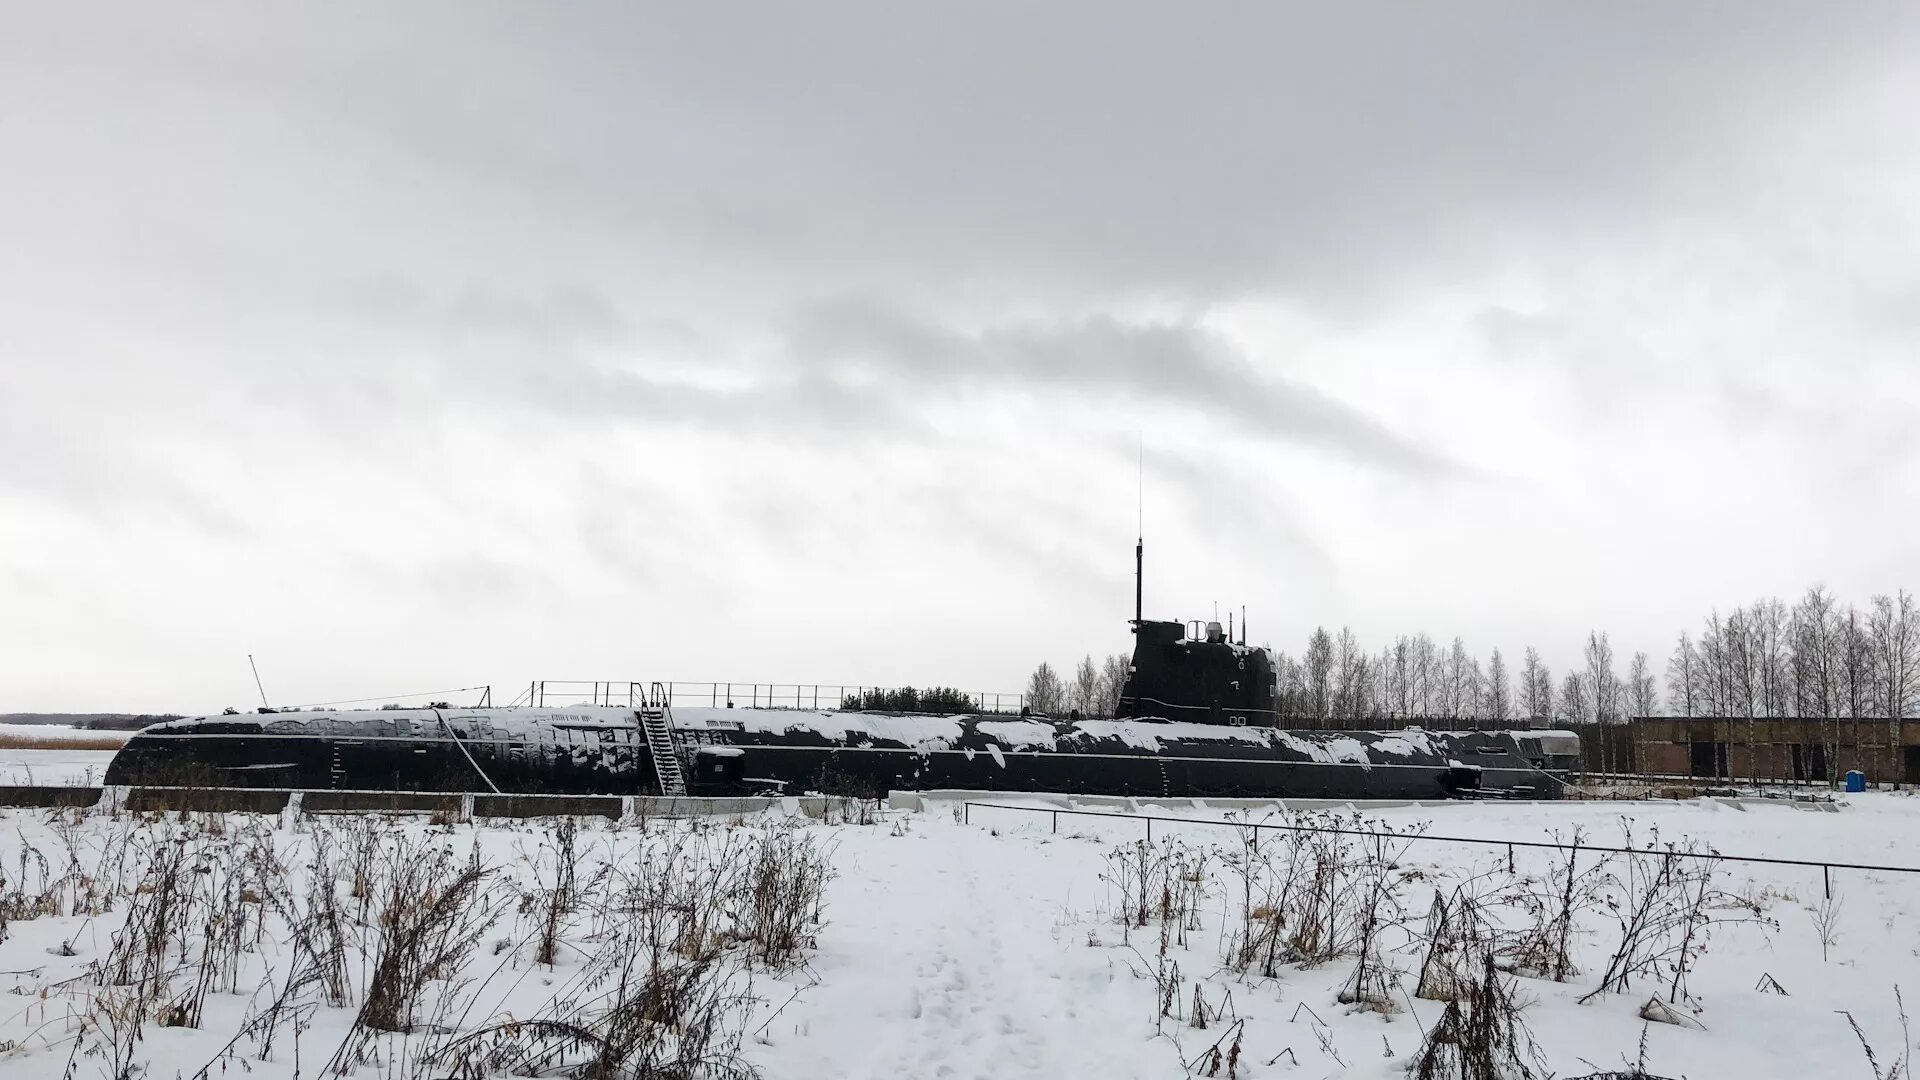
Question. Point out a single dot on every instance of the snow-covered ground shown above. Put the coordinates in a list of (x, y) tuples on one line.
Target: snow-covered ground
[(55, 754), (61, 768), (990, 949)]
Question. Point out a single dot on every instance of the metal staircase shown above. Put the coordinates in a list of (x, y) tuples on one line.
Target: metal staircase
[(656, 722)]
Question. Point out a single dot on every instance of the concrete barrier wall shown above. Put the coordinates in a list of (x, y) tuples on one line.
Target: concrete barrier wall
[(1115, 804), (276, 800), (1120, 804), (378, 802), (525, 806), (635, 807), (48, 795)]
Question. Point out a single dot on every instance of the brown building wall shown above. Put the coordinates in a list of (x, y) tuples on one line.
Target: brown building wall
[(1787, 750)]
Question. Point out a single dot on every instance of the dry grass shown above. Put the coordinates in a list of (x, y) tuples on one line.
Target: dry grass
[(105, 740)]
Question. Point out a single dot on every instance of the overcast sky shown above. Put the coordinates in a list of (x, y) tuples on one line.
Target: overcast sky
[(409, 346)]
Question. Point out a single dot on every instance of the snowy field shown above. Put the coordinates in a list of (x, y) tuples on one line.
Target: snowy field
[(908, 944), (55, 754), (58, 768)]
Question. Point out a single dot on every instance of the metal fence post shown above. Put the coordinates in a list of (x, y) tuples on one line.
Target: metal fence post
[(1056, 821)]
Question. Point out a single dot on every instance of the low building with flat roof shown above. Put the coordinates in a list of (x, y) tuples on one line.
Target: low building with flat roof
[(1810, 749)]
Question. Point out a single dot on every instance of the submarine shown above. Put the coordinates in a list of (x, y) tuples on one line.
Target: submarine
[(1196, 718)]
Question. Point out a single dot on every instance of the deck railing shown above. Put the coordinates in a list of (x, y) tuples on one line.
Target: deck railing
[(741, 695)]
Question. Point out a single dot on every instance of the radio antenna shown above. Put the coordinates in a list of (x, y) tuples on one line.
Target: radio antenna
[(1140, 538), (256, 682)]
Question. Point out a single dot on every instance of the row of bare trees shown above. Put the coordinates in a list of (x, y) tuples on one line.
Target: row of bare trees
[(1092, 691), (1816, 659), (1338, 683), (1835, 664)]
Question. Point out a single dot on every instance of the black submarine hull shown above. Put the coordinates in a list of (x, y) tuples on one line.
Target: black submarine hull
[(744, 751)]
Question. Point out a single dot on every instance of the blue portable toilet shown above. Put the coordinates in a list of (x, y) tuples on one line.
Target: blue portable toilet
[(1856, 780)]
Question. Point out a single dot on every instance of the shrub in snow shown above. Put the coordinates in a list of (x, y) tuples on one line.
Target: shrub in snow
[(1481, 1036), (1666, 905)]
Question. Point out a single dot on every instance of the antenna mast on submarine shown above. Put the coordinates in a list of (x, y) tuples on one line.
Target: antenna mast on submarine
[(1140, 537), (256, 681)]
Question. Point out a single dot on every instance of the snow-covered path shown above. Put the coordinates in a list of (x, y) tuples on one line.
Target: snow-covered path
[(935, 981)]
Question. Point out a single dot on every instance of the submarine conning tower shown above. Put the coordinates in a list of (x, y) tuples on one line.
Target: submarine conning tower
[(1205, 680)]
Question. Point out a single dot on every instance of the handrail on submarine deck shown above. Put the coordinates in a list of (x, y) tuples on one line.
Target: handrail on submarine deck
[(1826, 868), (798, 696)]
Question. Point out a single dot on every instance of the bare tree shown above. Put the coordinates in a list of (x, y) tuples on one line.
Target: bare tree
[(1497, 700), (1572, 704), (1423, 666), (1385, 685), (1856, 677), (1536, 687), (1289, 689), (1893, 630), (1366, 702), (1317, 675), (1818, 661), (1085, 693), (1350, 696), (1603, 693), (1457, 690), (1770, 622), (1113, 680), (1045, 693), (1683, 677), (1475, 691), (1737, 658), (1716, 668), (1642, 700), (1400, 693)]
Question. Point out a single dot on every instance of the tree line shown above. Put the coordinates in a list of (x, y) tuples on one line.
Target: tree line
[(1093, 690), (1817, 658)]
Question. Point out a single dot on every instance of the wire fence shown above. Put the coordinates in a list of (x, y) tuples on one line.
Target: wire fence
[(1826, 868)]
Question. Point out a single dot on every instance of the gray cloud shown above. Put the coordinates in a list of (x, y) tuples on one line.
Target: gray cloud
[(859, 307), (1077, 150), (51, 463), (1155, 362)]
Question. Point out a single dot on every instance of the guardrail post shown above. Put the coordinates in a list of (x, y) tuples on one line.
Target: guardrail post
[(1149, 830), (1056, 821), (1826, 879), (966, 813)]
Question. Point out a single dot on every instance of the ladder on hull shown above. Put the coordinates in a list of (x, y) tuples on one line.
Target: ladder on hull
[(656, 723)]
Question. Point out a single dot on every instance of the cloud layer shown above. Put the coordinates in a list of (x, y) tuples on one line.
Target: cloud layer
[(820, 343)]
